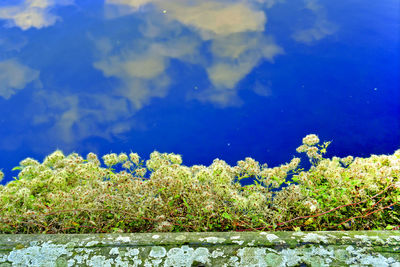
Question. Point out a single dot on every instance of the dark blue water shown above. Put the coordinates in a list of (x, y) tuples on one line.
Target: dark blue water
[(218, 79)]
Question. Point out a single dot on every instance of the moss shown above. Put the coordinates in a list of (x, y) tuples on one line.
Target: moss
[(19, 246)]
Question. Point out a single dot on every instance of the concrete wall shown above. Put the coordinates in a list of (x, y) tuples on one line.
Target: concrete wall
[(358, 248)]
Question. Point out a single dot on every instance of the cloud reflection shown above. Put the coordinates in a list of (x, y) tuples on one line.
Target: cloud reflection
[(226, 39), (15, 76), (235, 30), (75, 118), (31, 13), (321, 28)]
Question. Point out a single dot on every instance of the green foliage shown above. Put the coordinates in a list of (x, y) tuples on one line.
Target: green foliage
[(70, 194)]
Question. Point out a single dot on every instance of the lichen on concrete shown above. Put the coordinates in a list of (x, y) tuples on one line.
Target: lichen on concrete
[(36, 255), (359, 248), (311, 237)]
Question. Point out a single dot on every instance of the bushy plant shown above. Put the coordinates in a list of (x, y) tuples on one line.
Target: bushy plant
[(72, 194)]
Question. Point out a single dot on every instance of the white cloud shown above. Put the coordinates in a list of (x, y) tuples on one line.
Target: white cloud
[(268, 3), (72, 121), (235, 30), (31, 13), (245, 48), (15, 76), (321, 28), (263, 89), (212, 18), (132, 65), (224, 75), (209, 18), (12, 42), (235, 56), (118, 8), (141, 67), (130, 3), (220, 96)]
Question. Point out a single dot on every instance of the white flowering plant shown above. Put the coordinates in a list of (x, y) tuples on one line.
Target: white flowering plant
[(71, 194)]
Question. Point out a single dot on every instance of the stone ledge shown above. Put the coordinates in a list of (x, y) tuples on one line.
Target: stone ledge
[(320, 248)]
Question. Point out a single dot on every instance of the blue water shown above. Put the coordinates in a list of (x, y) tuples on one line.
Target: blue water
[(224, 79)]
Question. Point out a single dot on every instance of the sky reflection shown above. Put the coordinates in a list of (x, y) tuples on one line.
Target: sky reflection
[(192, 76)]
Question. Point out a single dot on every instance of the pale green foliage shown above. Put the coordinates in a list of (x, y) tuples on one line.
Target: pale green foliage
[(341, 181), (53, 158), (110, 159), (122, 157), (29, 162), (72, 194), (310, 140), (314, 153), (158, 159), (92, 158), (134, 157), (274, 177)]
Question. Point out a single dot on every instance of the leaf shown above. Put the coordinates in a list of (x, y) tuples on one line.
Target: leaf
[(226, 216), (309, 221), (186, 204), (389, 227), (16, 168), (161, 189)]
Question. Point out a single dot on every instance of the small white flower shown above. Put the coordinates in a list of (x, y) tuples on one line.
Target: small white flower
[(203, 175), (165, 226), (294, 163), (141, 172), (23, 192), (175, 159), (134, 158), (110, 159), (29, 162), (122, 157), (312, 208), (92, 158), (53, 158), (347, 160), (311, 205), (396, 185), (302, 148), (127, 165), (310, 140)]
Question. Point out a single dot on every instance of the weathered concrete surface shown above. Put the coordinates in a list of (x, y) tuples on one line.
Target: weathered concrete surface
[(332, 248)]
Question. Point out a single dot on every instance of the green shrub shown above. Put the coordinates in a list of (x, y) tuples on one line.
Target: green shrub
[(70, 194)]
